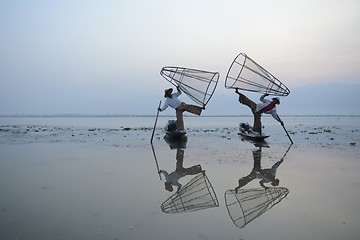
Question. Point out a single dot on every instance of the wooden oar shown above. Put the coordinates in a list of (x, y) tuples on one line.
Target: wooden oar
[(157, 115), (156, 162)]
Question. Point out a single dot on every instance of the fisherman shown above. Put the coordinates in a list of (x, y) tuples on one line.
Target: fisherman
[(173, 178), (173, 101), (264, 175), (266, 106)]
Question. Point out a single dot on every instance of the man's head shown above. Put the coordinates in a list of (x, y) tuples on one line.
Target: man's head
[(276, 100), (275, 182), (168, 186), (168, 92)]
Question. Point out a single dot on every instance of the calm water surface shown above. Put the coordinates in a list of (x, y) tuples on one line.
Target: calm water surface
[(210, 122), (230, 189)]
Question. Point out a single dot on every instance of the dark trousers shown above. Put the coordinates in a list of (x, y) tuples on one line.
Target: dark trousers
[(257, 115), (179, 114)]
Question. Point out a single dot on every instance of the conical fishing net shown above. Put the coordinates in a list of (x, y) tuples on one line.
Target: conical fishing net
[(245, 205), (245, 74), (199, 85), (196, 195)]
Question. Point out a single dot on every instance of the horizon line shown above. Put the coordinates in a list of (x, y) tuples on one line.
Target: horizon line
[(168, 115)]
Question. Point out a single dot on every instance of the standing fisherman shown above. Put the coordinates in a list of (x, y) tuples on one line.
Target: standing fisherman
[(173, 101), (266, 106)]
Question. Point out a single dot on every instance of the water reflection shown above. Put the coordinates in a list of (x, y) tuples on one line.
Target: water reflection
[(176, 142), (245, 205), (172, 179), (257, 143), (196, 194), (264, 175)]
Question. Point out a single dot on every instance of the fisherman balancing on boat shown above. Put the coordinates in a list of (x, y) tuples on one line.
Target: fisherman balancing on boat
[(173, 101), (266, 106)]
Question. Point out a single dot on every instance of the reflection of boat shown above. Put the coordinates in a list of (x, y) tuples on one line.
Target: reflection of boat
[(196, 195), (175, 143), (245, 205), (172, 132), (259, 144), (247, 132)]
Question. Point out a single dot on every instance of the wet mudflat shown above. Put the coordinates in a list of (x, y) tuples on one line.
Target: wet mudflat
[(94, 181)]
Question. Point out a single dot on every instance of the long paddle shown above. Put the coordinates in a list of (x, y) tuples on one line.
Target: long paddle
[(287, 134), (156, 162), (157, 115)]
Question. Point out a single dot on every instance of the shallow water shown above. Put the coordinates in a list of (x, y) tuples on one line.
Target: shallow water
[(191, 122), (72, 183)]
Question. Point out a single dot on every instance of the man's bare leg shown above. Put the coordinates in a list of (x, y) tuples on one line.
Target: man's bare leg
[(257, 122), (179, 120)]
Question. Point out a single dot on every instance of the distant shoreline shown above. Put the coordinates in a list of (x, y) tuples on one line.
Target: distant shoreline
[(145, 115)]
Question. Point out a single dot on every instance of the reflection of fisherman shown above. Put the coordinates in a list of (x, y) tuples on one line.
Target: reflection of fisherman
[(173, 101), (266, 106), (173, 178), (264, 175)]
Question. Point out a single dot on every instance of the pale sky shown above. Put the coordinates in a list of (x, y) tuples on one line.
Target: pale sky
[(103, 56)]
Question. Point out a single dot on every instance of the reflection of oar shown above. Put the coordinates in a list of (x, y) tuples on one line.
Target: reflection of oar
[(287, 151), (157, 115), (156, 162), (287, 134)]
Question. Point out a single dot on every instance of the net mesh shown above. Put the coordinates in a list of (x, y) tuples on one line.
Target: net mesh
[(246, 205), (196, 195), (199, 85), (245, 74)]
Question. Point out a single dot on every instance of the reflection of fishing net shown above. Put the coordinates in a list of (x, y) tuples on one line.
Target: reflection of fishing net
[(247, 204), (196, 195), (246, 74), (197, 84)]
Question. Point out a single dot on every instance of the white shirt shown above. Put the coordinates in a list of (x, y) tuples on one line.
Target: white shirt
[(173, 102), (264, 103), (172, 178), (271, 171)]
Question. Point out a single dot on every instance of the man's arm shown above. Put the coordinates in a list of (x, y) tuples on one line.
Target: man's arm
[(178, 93), (262, 98), (262, 184), (277, 118), (164, 106), (179, 187), (166, 175)]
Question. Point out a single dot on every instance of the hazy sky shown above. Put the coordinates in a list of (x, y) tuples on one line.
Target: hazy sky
[(104, 56)]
